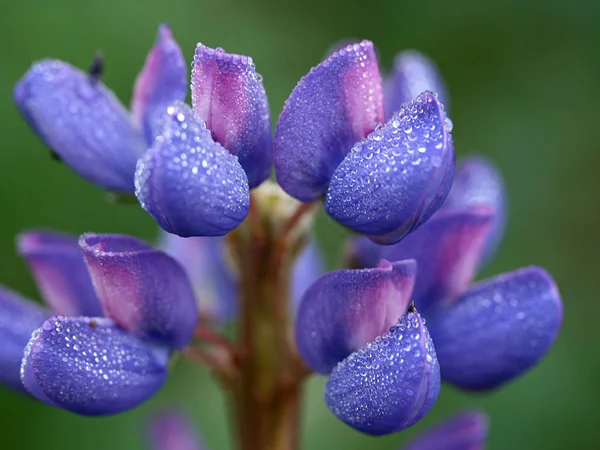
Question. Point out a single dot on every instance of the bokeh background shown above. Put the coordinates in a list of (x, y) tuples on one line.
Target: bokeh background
[(523, 78)]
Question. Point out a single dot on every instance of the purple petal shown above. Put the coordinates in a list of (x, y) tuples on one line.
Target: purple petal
[(412, 74), (464, 431), (390, 384), (91, 366), (82, 122), (190, 184), (308, 267), (173, 431), (62, 277), (479, 182), (345, 309), (18, 319), (144, 290), (204, 260), (498, 329), (229, 96), (394, 180), (335, 105), (447, 249), (162, 82)]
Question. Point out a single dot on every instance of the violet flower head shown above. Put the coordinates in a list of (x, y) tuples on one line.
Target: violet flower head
[(381, 180), (357, 327), (84, 362), (488, 333)]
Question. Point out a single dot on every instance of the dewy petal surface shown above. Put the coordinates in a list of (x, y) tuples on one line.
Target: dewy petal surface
[(144, 290), (413, 73), (465, 431), (90, 366), (390, 384), (62, 277), (498, 329), (82, 122), (162, 82), (447, 249), (394, 180), (345, 309), (335, 105), (479, 182), (190, 184), (18, 319), (229, 96), (204, 260), (173, 431)]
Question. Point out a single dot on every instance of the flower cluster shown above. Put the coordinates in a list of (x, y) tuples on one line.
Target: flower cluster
[(377, 154)]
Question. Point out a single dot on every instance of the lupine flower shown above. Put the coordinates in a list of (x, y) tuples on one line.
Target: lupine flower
[(379, 180), (195, 179), (464, 431), (84, 362), (84, 123), (357, 327), (487, 333)]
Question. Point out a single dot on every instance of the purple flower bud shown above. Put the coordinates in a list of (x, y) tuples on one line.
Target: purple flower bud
[(390, 384), (91, 367), (18, 319), (189, 183), (162, 82), (346, 309), (143, 290), (413, 73), (82, 122), (394, 180), (479, 183), (62, 276), (228, 95), (335, 105), (497, 329)]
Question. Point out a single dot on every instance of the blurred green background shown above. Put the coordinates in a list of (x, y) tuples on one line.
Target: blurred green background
[(523, 79)]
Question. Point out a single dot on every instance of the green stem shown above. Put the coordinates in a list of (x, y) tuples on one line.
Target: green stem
[(266, 392)]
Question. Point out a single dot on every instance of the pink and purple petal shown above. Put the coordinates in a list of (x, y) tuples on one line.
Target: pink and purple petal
[(498, 329), (394, 180), (18, 319), (390, 384), (90, 366), (162, 82), (190, 184), (229, 96), (56, 261), (447, 249), (465, 431), (413, 73), (82, 122), (205, 262), (173, 431), (143, 290), (345, 309), (479, 182), (336, 104)]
